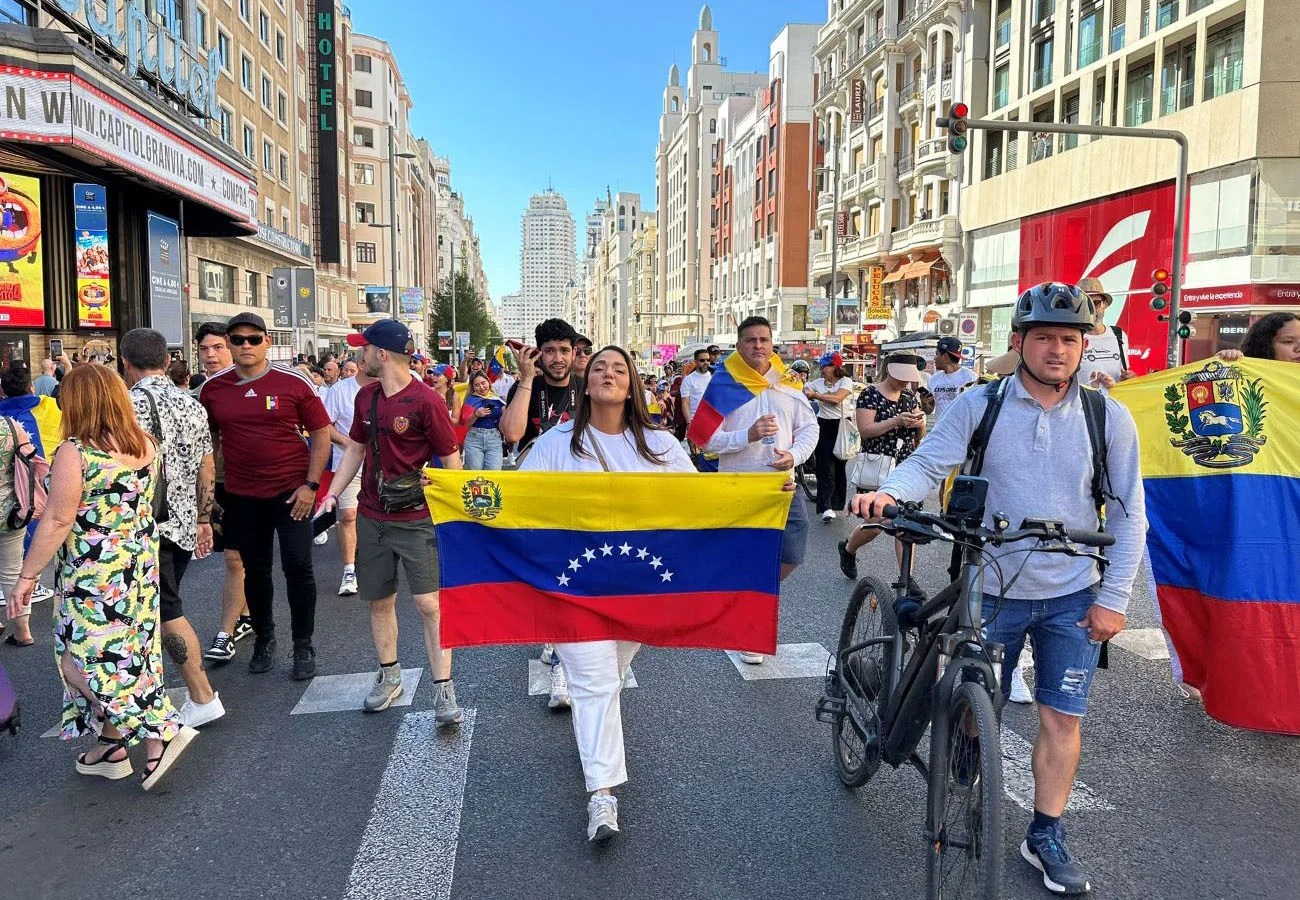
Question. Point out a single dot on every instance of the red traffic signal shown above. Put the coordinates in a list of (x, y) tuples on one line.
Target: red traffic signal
[(1160, 277), (959, 110), (955, 123)]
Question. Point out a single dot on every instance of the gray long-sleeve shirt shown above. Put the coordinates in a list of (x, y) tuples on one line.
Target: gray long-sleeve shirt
[(1039, 465)]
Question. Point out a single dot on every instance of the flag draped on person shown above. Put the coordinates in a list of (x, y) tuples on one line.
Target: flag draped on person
[(547, 557), (732, 386), (1221, 470), (498, 364)]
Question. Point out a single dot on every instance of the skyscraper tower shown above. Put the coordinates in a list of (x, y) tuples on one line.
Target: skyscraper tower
[(546, 256)]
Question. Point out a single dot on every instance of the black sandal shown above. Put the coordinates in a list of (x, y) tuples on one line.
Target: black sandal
[(13, 641), (105, 767), (158, 766)]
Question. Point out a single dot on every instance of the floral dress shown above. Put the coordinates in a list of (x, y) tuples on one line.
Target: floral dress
[(106, 610), (897, 442)]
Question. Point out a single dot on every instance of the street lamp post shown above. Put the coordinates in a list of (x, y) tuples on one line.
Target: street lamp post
[(393, 157)]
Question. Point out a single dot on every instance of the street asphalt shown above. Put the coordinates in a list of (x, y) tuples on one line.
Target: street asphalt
[(732, 792)]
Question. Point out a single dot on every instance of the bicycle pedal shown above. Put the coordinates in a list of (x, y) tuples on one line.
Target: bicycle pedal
[(830, 709)]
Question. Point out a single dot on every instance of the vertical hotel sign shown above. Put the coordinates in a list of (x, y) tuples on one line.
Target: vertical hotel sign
[(22, 262), (327, 134), (857, 111), (90, 225), (165, 277)]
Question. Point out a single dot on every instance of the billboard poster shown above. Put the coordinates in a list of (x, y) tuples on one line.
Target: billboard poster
[(444, 340), (22, 273), (165, 277), (379, 299), (411, 302), (462, 340), (819, 310), (90, 227), (848, 314)]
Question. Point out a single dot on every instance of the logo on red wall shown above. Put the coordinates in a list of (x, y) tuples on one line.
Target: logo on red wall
[(1119, 240)]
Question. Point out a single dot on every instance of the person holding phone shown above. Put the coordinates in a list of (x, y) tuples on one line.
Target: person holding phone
[(482, 413)]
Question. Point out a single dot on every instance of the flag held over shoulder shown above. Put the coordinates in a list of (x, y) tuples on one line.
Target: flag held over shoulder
[(732, 386), (547, 557)]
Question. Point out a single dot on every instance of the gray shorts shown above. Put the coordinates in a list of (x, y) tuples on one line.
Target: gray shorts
[(380, 545), (794, 542)]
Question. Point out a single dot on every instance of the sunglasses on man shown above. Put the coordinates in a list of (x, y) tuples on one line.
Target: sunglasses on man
[(239, 340)]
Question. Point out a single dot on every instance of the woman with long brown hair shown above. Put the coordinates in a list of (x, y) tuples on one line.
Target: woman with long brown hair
[(99, 518), (610, 432)]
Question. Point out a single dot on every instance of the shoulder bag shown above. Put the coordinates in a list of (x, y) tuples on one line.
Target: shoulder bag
[(403, 493), (161, 512), (848, 442)]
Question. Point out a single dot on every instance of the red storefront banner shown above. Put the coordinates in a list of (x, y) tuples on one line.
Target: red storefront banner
[(1242, 295)]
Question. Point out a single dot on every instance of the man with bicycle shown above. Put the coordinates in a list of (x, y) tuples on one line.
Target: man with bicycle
[(1038, 465)]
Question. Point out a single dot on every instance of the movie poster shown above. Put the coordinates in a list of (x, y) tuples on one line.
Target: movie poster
[(22, 273), (90, 222)]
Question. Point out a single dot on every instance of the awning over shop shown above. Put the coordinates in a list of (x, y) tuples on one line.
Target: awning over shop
[(897, 275), (918, 269)]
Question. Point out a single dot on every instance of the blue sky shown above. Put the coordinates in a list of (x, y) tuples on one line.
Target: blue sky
[(521, 92)]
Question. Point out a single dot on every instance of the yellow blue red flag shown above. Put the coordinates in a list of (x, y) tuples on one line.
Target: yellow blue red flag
[(733, 385), (547, 557), (1221, 469)]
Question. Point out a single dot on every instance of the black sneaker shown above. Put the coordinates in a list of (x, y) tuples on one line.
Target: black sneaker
[(263, 656), (243, 628), (222, 649), (304, 661), (848, 561), (1044, 849)]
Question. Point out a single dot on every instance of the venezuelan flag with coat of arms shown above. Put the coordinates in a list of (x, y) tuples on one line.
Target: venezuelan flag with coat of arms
[(552, 557), (731, 387), (1221, 469)]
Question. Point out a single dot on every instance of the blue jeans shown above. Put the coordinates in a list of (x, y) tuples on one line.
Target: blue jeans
[(1065, 660), (483, 449)]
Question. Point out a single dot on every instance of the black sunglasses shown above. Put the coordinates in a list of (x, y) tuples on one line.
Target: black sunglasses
[(240, 340)]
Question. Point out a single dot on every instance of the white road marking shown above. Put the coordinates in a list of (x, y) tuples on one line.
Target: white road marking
[(790, 661), (1148, 643), (1018, 778), (347, 693), (539, 678), (409, 845)]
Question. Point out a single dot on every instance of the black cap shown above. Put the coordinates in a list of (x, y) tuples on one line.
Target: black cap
[(582, 339), (247, 319), (950, 345)]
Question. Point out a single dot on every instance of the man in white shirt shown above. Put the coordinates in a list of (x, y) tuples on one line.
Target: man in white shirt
[(340, 403), (693, 385), (1105, 358), (501, 387), (950, 376), (775, 430)]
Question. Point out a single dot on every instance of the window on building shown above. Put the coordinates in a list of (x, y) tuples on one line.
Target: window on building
[(1138, 95), (1223, 59), (363, 173), (223, 49), (1117, 15), (280, 51), (264, 28), (246, 72), (1070, 115), (1003, 25), (1166, 13), (1178, 77), (1002, 86), (363, 137), (226, 118), (361, 62), (244, 10), (266, 91), (216, 282), (252, 281), (1091, 26), (1042, 64), (250, 142), (1044, 9), (268, 157), (282, 108), (200, 34), (365, 212), (367, 252), (284, 168), (365, 98)]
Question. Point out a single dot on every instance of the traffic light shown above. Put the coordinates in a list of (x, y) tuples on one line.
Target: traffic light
[(1160, 287), (955, 122), (1185, 329)]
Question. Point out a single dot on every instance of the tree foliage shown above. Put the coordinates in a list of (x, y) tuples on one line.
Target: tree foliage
[(472, 315)]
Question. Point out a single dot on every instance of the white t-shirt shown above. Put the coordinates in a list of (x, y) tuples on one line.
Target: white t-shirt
[(945, 387), (693, 386), (551, 452), (832, 410), (501, 387), (340, 402), (1101, 353)]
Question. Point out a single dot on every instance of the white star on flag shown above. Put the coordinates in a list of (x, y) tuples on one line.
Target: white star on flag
[(589, 555), (625, 549), (655, 562), (575, 565), (667, 576), (642, 553), (564, 580), (607, 550)]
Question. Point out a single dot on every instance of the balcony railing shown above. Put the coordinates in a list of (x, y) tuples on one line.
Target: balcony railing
[(904, 164), (1042, 77), (933, 150), (1089, 53)]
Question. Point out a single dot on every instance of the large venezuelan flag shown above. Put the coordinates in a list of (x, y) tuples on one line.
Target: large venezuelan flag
[(1221, 468), (544, 557), (731, 387)]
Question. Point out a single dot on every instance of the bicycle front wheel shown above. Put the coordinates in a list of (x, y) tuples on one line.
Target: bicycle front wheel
[(965, 853), (863, 672), (807, 480)]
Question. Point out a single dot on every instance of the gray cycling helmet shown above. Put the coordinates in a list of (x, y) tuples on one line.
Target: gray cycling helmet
[(1054, 303), (800, 365)]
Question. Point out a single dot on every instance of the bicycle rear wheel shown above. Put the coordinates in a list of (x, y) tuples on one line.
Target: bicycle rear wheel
[(807, 480), (862, 674), (965, 856)]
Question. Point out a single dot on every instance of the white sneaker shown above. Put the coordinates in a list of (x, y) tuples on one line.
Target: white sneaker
[(559, 687), (548, 654), (1020, 692), (197, 714), (602, 817), (321, 539), (348, 586), (828, 515), (41, 592), (754, 659)]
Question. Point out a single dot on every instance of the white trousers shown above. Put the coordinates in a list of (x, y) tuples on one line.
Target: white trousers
[(595, 671)]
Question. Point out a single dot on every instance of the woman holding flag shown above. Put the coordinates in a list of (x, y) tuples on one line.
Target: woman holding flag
[(611, 431)]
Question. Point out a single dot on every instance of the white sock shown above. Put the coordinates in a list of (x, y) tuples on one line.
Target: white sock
[(350, 570)]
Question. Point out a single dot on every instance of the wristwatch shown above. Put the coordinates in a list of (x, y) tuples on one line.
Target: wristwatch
[(314, 485)]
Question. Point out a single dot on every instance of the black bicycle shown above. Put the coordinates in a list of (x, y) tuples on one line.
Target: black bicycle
[(805, 476), (903, 664)]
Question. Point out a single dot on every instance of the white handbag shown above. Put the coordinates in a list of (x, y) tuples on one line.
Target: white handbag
[(868, 471), (848, 443)]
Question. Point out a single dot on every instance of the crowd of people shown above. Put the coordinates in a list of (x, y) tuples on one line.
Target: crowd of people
[(155, 467)]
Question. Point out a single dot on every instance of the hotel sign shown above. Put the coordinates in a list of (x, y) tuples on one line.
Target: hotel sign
[(326, 122)]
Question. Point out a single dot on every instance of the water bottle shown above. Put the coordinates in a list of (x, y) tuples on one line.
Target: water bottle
[(769, 441)]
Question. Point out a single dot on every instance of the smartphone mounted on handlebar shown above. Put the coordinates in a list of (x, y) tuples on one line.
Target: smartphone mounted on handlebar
[(967, 497)]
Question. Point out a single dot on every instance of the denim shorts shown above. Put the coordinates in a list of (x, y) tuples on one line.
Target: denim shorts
[(794, 542), (1065, 659)]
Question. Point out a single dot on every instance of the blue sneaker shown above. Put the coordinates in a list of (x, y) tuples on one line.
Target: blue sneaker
[(1044, 849)]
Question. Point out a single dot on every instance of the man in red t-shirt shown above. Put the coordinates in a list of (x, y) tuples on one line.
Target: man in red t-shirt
[(258, 412), (408, 424)]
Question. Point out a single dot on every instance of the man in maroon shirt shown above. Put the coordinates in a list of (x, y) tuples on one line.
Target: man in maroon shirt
[(258, 412), (398, 426)]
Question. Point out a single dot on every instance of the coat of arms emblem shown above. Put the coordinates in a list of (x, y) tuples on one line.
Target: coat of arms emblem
[(1216, 416), (481, 498)]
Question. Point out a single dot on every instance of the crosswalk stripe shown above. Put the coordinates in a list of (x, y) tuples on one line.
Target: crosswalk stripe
[(790, 661), (409, 845), (1018, 778), (1148, 643), (539, 678), (347, 693)]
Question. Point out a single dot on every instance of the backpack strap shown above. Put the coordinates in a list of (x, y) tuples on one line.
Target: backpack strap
[(1123, 353), (994, 395), (1094, 415)]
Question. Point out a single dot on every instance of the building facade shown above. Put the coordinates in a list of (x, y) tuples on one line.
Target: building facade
[(612, 303), (688, 124), (762, 197), (547, 263), (516, 324), (1037, 206), (885, 72), (645, 271)]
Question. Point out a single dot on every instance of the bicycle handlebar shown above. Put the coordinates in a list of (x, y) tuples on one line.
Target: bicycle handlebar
[(1028, 529)]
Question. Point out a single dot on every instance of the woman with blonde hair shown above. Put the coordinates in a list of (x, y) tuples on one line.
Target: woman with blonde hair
[(99, 517)]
